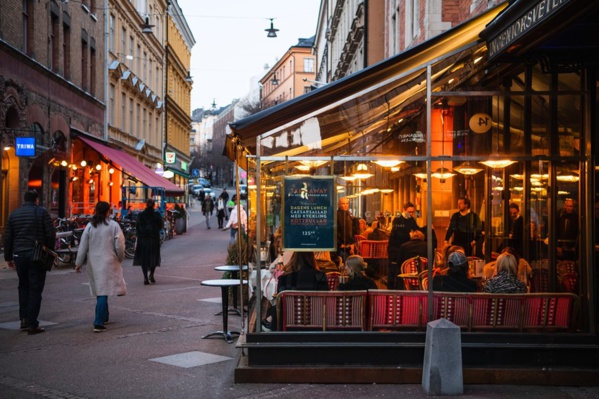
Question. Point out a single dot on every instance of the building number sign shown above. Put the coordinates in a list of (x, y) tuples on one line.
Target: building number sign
[(480, 123)]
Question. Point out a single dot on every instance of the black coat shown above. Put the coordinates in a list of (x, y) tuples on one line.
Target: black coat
[(358, 283), (305, 279), (148, 226), (24, 226)]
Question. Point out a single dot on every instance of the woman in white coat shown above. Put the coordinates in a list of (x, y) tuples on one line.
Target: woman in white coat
[(102, 250)]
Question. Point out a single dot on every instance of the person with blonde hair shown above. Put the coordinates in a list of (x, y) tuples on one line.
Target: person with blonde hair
[(505, 280), (356, 279)]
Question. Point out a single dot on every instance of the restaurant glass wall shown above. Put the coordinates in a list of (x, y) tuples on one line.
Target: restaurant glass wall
[(528, 115)]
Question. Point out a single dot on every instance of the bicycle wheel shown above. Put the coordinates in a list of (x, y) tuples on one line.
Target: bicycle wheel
[(130, 248)]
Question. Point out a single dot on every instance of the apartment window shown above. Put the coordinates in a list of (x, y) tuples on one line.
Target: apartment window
[(415, 18), (66, 50), (111, 104), (28, 26), (144, 130), (130, 116), (131, 46), (84, 64), (123, 41), (54, 42), (123, 110), (138, 61), (309, 65), (111, 23), (137, 120), (150, 72), (92, 70), (141, 6), (149, 125), (145, 66)]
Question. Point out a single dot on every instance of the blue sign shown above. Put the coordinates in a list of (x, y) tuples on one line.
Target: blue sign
[(195, 173), (25, 146)]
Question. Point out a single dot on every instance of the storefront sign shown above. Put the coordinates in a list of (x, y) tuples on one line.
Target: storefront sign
[(480, 123), (170, 157), (535, 15), (25, 146), (309, 213)]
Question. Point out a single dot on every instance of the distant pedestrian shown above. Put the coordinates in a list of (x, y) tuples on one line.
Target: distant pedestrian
[(225, 197), (220, 212), (147, 253), (24, 226), (208, 209), (102, 250), (230, 205)]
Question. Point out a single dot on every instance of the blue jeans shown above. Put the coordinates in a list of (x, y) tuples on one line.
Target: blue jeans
[(233, 234), (101, 310), (32, 279)]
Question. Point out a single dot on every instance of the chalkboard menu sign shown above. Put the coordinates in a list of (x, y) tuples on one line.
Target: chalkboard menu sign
[(309, 213)]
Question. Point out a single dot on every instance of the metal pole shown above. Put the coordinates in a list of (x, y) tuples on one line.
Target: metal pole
[(429, 194)]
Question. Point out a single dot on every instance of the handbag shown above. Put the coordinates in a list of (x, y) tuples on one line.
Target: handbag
[(42, 256)]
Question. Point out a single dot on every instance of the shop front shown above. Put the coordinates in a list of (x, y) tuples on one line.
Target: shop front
[(478, 113)]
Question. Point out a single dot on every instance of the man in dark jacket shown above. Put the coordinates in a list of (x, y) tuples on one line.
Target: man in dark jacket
[(345, 229), (26, 225), (400, 233)]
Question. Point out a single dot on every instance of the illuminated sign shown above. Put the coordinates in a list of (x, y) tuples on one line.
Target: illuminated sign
[(170, 157), (25, 146)]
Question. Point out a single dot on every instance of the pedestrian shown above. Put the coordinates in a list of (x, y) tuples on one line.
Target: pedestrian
[(465, 227), (24, 227), (208, 209), (234, 222), (147, 253), (230, 206), (102, 250), (201, 195), (225, 196), (220, 212), (345, 230)]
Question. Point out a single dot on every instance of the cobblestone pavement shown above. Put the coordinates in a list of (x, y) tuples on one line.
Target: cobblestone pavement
[(153, 346)]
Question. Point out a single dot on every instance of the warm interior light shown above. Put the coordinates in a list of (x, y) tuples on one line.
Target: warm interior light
[(386, 190), (568, 178), (497, 163), (421, 175), (168, 174), (443, 174), (90, 181), (111, 184), (388, 163), (348, 178), (477, 59), (83, 163), (467, 169), (312, 164), (111, 170), (395, 169), (7, 148), (362, 172), (98, 167), (63, 163)]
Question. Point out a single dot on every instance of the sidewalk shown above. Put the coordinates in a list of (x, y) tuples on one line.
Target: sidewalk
[(153, 346)]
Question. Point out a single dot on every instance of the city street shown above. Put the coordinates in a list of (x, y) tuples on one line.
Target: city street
[(153, 346)]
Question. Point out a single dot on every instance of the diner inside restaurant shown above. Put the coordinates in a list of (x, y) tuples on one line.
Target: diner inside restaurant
[(430, 129)]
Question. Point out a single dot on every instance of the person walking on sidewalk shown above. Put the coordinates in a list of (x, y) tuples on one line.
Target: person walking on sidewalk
[(220, 212), (234, 222), (26, 225), (102, 250), (147, 253), (207, 209)]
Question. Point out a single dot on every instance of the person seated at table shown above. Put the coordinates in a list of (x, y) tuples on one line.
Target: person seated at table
[(408, 250), (505, 280), (442, 268), (379, 231), (302, 274), (356, 279), (456, 279), (325, 263), (362, 227), (524, 269)]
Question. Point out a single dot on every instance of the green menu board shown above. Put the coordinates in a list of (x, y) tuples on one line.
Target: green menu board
[(309, 213)]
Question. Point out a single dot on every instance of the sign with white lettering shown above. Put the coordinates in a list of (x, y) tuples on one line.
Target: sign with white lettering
[(535, 15), (309, 213), (25, 146)]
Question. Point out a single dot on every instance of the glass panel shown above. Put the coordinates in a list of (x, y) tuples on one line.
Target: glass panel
[(567, 222), (514, 137), (569, 125), (539, 212), (540, 125)]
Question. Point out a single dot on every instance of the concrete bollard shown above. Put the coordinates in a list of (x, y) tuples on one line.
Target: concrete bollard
[(442, 371)]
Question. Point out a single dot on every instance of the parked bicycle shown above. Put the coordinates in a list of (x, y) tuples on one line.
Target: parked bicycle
[(130, 234)]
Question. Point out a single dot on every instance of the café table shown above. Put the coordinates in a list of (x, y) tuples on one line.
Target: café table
[(234, 269), (224, 285)]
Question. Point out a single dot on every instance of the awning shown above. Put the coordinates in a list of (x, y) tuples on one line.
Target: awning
[(135, 168), (367, 102)]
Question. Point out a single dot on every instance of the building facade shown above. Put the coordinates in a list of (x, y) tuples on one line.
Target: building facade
[(52, 83)]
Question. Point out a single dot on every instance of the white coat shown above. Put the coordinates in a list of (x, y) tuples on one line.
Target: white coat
[(102, 250)]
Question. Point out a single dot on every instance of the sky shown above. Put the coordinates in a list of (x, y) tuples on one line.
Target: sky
[(231, 44)]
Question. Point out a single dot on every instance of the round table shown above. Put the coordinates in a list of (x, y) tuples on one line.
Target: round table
[(224, 285), (234, 269)]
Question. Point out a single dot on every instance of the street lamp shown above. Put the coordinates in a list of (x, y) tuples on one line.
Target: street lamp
[(272, 32)]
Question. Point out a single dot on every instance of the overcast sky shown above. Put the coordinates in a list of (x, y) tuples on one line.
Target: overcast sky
[(231, 44)]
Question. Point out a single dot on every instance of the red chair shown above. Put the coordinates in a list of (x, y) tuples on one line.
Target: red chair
[(423, 280), (333, 280), (410, 271), (371, 249), (567, 275)]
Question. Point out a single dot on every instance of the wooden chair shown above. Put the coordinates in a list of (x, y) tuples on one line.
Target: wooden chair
[(412, 266), (333, 280), (423, 280), (358, 238)]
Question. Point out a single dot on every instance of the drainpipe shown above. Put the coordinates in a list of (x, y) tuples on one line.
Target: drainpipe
[(106, 82)]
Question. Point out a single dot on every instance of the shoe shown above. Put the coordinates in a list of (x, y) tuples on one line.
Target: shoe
[(152, 279), (36, 330), (146, 282), (208, 228), (24, 325), (99, 329), (266, 326)]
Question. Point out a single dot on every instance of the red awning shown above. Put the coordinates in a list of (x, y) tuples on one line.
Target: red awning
[(135, 168)]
